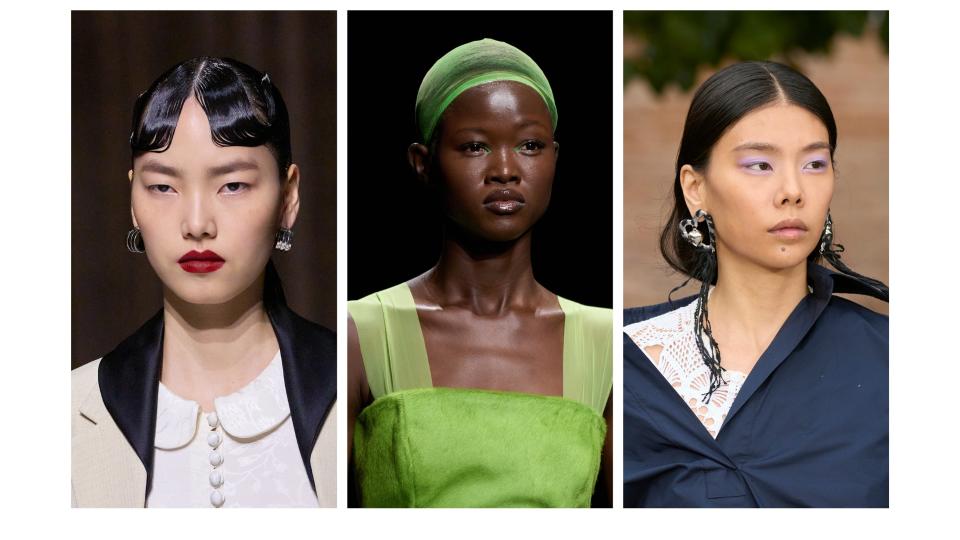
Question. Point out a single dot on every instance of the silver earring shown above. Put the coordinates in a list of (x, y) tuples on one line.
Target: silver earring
[(284, 239), (135, 241), (690, 231), (827, 237)]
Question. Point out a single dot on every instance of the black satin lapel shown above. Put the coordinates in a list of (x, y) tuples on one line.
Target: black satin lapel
[(129, 377), (308, 353)]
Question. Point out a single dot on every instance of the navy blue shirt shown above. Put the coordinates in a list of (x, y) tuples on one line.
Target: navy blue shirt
[(809, 426)]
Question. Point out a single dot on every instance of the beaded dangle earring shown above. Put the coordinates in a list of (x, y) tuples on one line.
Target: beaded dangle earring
[(831, 253), (706, 273), (284, 239)]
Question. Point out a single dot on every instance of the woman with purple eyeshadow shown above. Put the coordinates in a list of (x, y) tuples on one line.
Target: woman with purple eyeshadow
[(765, 389)]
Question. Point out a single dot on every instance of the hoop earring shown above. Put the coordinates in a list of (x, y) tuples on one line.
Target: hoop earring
[(284, 239), (135, 241)]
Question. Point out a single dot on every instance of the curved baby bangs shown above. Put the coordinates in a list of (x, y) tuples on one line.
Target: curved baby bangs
[(243, 107)]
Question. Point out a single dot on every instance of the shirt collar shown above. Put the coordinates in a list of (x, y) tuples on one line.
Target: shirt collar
[(253, 411)]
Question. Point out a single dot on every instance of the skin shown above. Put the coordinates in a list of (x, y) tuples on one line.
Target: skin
[(773, 164), (487, 323), (199, 196)]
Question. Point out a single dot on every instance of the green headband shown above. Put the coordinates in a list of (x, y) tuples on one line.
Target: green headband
[(473, 64)]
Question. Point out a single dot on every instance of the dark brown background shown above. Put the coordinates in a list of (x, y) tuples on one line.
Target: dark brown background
[(115, 57)]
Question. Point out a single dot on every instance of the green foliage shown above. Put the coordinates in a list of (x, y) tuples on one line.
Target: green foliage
[(675, 44)]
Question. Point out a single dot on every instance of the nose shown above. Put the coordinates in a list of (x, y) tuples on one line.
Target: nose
[(503, 167), (198, 221), (790, 190)]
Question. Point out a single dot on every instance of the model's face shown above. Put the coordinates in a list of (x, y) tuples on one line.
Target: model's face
[(495, 160), (223, 203), (768, 187)]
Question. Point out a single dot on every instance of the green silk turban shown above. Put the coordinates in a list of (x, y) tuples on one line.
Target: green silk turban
[(473, 64)]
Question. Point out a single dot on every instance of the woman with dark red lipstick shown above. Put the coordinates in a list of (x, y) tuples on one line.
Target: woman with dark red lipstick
[(766, 389), (226, 397), (472, 385)]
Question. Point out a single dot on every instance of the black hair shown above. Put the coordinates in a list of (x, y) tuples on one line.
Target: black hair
[(243, 107), (722, 100)]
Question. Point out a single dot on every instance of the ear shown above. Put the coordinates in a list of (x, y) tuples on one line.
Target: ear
[(133, 217), (418, 155), (692, 182), (290, 206), (556, 150)]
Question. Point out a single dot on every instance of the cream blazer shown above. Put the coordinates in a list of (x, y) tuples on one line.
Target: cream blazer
[(108, 473)]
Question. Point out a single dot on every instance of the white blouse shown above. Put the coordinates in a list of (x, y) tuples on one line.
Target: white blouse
[(680, 363), (243, 453)]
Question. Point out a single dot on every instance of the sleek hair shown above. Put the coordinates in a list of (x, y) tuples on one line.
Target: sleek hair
[(243, 107), (721, 101)]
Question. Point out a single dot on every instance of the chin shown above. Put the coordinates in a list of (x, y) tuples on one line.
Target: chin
[(502, 234), (784, 260), (204, 294)]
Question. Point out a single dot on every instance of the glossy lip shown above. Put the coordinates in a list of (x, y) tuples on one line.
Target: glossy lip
[(504, 202), (197, 262), (789, 229)]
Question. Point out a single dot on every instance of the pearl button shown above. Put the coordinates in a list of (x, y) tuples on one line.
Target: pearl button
[(216, 498), (212, 419), (213, 440), (216, 459), (216, 479)]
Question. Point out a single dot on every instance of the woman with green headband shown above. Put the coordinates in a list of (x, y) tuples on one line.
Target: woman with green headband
[(472, 385)]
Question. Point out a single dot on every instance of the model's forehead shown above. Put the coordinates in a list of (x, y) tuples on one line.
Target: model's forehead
[(498, 99), (783, 125)]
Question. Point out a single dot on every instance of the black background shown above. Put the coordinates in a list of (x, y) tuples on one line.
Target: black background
[(393, 235)]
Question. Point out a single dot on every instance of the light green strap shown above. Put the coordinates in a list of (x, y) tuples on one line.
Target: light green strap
[(394, 354), (587, 354)]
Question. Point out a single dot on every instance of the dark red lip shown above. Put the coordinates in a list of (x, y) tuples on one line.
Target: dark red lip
[(197, 262), (504, 201)]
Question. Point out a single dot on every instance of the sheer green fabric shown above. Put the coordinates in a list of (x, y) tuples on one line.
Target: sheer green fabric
[(473, 64), (419, 446)]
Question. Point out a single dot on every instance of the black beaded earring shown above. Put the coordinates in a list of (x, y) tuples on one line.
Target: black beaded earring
[(706, 273), (831, 253)]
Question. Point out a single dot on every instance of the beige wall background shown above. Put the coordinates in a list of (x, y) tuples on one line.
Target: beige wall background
[(854, 78)]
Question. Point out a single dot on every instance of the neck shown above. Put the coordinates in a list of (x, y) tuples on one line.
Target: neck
[(214, 350), (754, 301), (485, 277)]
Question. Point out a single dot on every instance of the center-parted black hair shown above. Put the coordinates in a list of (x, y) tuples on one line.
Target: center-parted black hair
[(243, 107)]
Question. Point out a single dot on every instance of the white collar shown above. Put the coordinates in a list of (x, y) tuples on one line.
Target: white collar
[(248, 413)]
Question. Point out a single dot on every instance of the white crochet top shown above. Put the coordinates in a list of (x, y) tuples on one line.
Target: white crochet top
[(668, 340)]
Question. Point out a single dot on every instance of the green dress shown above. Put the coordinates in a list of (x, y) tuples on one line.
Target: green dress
[(420, 446)]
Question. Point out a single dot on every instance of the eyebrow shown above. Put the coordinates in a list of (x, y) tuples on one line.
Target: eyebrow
[(519, 125), (233, 166), (160, 168), (767, 147)]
